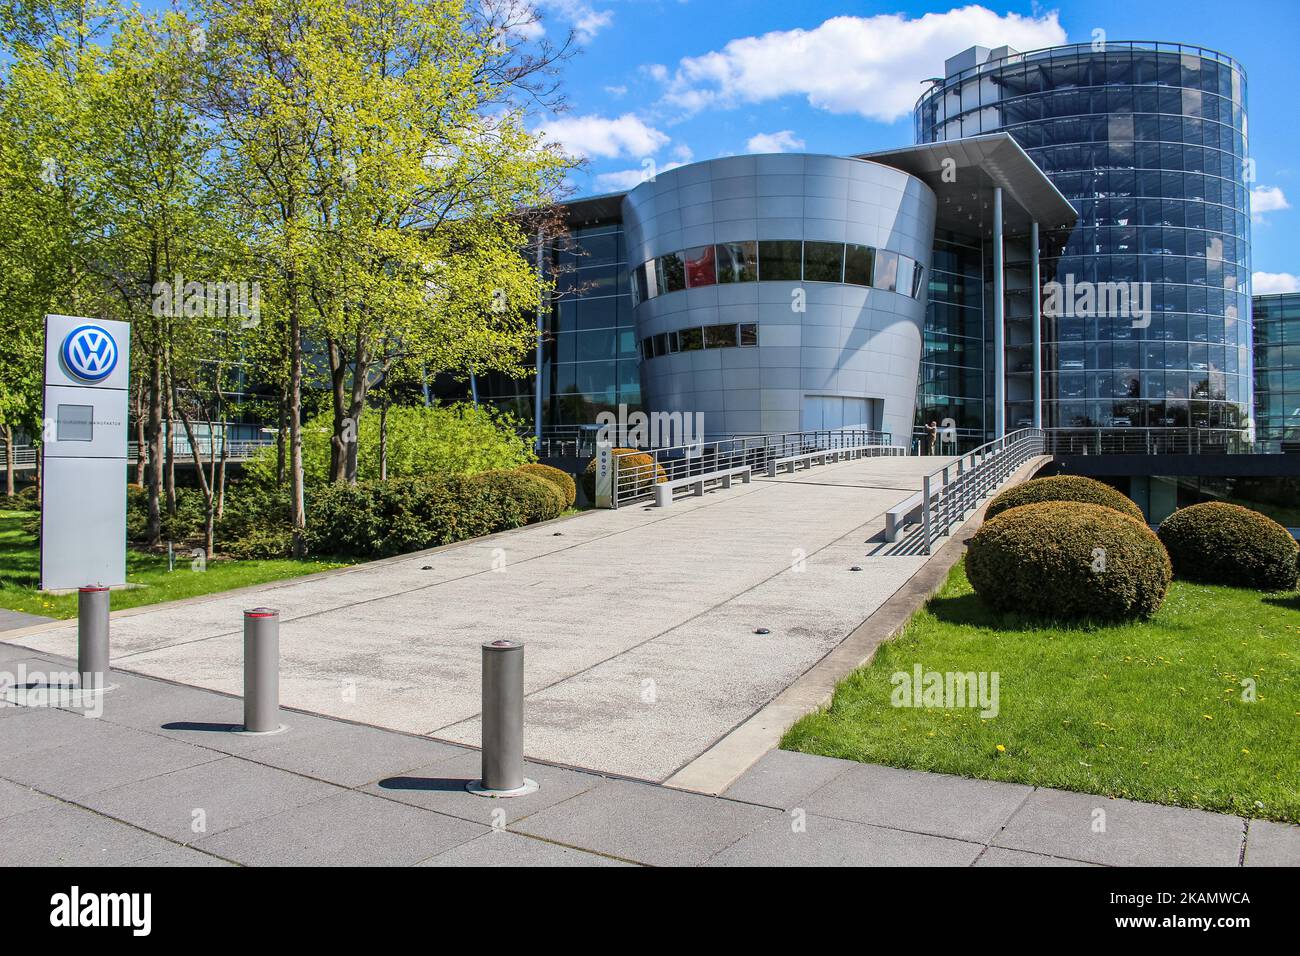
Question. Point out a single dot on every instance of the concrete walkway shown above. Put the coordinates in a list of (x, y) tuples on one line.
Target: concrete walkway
[(158, 780), (642, 624)]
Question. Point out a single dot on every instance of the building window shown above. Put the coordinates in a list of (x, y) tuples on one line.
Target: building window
[(886, 276), (823, 261), (661, 344), (719, 336), (780, 260), (700, 269), (690, 340), (857, 264), (672, 272), (737, 261), (748, 334)]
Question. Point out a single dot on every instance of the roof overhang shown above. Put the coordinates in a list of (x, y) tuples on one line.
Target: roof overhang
[(963, 173)]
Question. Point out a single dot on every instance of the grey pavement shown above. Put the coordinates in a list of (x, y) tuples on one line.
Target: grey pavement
[(641, 623), (11, 620), (158, 779)]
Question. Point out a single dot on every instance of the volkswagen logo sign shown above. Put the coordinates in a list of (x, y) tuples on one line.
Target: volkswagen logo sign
[(89, 353)]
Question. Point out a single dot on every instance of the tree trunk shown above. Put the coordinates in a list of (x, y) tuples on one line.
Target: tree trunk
[(9, 460), (153, 527), (221, 476), (297, 503), (339, 439), (281, 430), (205, 486), (141, 446), (383, 440), (169, 451)]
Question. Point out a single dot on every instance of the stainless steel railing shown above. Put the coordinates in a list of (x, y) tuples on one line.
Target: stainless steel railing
[(636, 472), (950, 493)]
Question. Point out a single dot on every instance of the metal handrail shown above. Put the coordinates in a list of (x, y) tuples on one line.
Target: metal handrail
[(950, 493), (25, 455), (635, 480)]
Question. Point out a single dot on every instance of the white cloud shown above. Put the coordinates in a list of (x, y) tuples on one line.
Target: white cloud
[(616, 91), (872, 66), (624, 179), (605, 137), (683, 152), (1271, 283), (1266, 199), (585, 20), (782, 141)]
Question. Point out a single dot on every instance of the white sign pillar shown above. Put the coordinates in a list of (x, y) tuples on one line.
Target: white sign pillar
[(83, 499), (605, 478)]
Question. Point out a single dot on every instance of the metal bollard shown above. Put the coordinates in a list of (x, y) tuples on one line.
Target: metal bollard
[(262, 671), (92, 636), (503, 722)]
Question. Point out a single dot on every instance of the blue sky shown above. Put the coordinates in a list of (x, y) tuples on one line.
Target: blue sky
[(671, 81)]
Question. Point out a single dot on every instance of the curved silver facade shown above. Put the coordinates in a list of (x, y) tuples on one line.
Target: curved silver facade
[(828, 353)]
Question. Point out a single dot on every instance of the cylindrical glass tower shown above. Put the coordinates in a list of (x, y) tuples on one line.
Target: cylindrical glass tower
[(1149, 142)]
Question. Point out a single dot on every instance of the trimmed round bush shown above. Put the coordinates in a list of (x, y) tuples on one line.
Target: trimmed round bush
[(1218, 543), (561, 479), (636, 470), (1066, 559), (1063, 488), (520, 498)]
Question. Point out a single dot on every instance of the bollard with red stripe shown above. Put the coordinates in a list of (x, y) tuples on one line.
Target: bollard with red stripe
[(92, 636), (262, 671)]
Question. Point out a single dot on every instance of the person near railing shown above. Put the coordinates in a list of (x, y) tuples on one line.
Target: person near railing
[(931, 436)]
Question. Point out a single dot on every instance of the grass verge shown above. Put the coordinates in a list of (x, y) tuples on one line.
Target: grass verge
[(20, 570), (1152, 711)]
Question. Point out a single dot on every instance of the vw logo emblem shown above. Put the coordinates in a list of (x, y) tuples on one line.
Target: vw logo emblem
[(89, 353)]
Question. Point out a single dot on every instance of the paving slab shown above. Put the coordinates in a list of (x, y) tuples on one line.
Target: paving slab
[(347, 829), (937, 804), (996, 856), (647, 824), (824, 841), (107, 756), (11, 620), (188, 804), (1272, 844), (441, 787), (639, 687), (66, 835), (502, 848), (15, 798), (1058, 823), (784, 779)]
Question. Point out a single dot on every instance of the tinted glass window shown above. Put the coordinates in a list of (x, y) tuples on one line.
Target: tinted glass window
[(690, 340), (823, 261), (672, 272), (780, 260), (737, 261), (857, 264), (700, 267), (886, 270), (748, 333), (719, 336)]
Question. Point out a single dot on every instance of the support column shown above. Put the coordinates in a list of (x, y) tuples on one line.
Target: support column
[(999, 322), (541, 318), (1036, 317)]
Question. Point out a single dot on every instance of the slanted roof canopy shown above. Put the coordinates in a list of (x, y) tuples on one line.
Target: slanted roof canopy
[(964, 185)]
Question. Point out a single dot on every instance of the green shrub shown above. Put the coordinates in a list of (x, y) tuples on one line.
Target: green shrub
[(562, 479), (1060, 559), (268, 541), (436, 440), (1063, 488), (637, 471), (1218, 543), (24, 499), (519, 498)]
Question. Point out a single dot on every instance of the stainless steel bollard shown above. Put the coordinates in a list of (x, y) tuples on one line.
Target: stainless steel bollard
[(92, 636), (503, 722), (261, 670)]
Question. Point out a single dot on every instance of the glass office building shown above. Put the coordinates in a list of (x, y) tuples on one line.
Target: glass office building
[(1148, 141), (1277, 368)]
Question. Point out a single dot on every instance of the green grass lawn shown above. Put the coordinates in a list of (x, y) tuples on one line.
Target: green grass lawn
[(1151, 711), (20, 565)]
